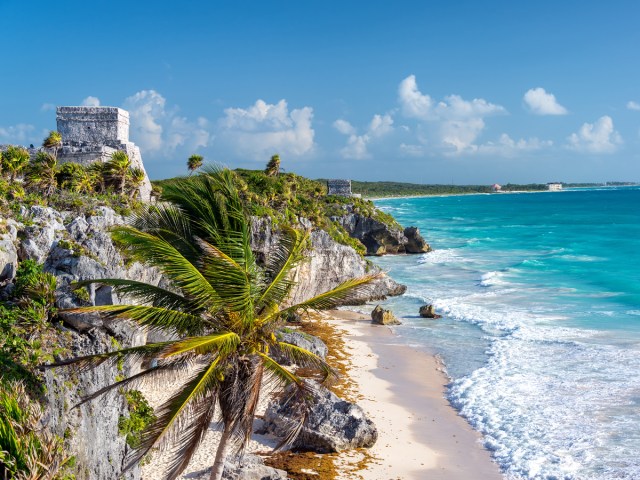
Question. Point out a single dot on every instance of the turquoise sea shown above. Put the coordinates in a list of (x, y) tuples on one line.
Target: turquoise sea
[(540, 297)]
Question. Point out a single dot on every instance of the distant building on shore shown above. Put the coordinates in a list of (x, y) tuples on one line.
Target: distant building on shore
[(554, 186), (496, 188), (340, 187)]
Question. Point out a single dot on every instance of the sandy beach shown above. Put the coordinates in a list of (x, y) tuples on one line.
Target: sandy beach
[(402, 389)]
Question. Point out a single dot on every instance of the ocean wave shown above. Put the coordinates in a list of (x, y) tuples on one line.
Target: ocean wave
[(492, 279), (445, 255)]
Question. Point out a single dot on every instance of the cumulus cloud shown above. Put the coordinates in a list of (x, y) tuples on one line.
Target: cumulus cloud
[(508, 147), (598, 137), (457, 123), (91, 102), (263, 129), (155, 128), (631, 105), (540, 102), (17, 134), (356, 147), (47, 107)]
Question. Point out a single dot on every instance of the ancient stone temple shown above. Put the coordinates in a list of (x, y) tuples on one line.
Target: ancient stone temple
[(92, 134), (339, 187)]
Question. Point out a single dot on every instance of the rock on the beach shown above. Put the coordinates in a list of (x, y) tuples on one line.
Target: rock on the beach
[(427, 311), (8, 258), (333, 424), (251, 467), (380, 316), (299, 339)]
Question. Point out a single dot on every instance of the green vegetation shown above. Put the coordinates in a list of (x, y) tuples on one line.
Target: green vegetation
[(400, 189), (225, 308), (141, 415), (27, 336), (67, 186), (26, 450), (287, 197)]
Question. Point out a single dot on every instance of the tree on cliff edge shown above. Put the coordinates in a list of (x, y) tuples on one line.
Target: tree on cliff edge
[(194, 162), (273, 167), (224, 309)]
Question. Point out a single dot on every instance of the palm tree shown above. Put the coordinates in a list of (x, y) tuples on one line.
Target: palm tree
[(194, 162), (117, 169), (135, 178), (42, 174), (53, 141), (14, 159), (273, 167), (225, 309), (97, 172)]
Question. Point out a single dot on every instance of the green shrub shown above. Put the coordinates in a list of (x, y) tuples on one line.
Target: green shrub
[(140, 416)]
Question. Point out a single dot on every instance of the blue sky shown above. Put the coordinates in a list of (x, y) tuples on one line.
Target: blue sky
[(424, 91)]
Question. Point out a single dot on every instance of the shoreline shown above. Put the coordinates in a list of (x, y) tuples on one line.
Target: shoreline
[(405, 387)]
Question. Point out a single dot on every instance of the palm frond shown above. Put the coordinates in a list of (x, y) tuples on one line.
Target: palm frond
[(347, 292), (304, 358), (152, 318), (140, 353), (161, 254), (143, 292), (222, 344), (281, 262), (179, 421)]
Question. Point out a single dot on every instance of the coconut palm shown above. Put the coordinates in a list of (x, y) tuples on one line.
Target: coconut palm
[(41, 174), (53, 142), (14, 159), (97, 172), (117, 169), (194, 162), (225, 309), (273, 167)]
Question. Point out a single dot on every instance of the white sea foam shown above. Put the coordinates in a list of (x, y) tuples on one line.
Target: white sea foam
[(492, 279), (445, 255)]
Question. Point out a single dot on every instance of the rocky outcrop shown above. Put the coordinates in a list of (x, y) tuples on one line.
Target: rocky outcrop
[(250, 467), (333, 424), (428, 311), (380, 238), (8, 258), (380, 316), (329, 263)]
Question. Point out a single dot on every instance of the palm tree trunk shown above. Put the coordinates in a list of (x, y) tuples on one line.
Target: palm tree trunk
[(122, 182), (221, 454)]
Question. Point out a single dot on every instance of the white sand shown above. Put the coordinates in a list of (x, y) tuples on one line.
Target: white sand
[(420, 436)]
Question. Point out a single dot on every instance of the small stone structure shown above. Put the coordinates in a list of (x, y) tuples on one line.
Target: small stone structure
[(92, 134), (340, 187)]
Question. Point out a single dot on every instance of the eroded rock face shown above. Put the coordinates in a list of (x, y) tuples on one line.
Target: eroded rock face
[(428, 311), (328, 265), (380, 238), (380, 316), (333, 424), (8, 258)]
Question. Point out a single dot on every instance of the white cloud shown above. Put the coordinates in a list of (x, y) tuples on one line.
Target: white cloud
[(598, 137), (631, 105), (356, 147), (542, 103), (155, 128), (508, 147), (412, 150), (264, 129), (91, 102), (47, 107), (456, 122), (21, 133)]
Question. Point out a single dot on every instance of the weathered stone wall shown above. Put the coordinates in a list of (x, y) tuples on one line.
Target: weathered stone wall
[(339, 187), (92, 134), (93, 125)]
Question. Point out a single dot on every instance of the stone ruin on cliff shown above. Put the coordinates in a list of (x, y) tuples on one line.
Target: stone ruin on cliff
[(339, 187), (92, 134)]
